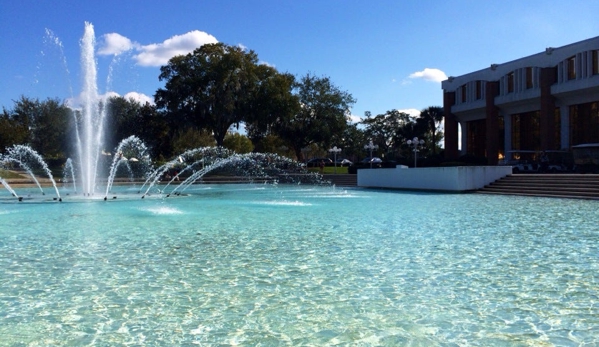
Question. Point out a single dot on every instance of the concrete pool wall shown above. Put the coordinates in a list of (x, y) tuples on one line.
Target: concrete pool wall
[(450, 179)]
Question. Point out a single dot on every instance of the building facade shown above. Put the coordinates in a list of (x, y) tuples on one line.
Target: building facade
[(546, 101)]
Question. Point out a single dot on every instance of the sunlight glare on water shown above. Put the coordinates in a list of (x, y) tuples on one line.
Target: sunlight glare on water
[(300, 266)]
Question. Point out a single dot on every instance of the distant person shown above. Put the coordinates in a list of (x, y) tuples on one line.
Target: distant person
[(322, 166)]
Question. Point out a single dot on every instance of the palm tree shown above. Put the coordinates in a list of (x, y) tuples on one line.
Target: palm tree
[(431, 117)]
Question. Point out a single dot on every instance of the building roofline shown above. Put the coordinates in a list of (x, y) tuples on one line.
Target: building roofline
[(495, 71)]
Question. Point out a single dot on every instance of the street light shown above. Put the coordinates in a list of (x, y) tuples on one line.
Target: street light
[(415, 142), (370, 146), (335, 150)]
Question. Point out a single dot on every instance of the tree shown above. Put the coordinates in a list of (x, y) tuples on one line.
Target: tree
[(191, 138), (238, 143), (273, 103), (352, 141), (431, 118), (389, 130), (14, 130), (322, 112), (44, 125), (209, 88), (128, 117)]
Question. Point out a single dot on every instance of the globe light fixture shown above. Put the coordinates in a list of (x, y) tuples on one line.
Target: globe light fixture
[(416, 143), (369, 147), (335, 150)]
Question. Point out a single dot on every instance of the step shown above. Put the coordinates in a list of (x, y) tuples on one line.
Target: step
[(546, 185)]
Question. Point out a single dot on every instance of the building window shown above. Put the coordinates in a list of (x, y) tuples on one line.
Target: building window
[(475, 138), (479, 90), (595, 62), (572, 68), (526, 131), (463, 92), (584, 123), (510, 82), (529, 82)]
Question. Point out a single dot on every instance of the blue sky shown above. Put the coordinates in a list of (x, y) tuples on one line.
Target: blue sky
[(389, 54)]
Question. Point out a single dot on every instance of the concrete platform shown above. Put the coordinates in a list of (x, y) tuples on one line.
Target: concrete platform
[(445, 179)]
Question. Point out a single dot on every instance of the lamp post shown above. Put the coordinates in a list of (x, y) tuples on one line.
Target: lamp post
[(415, 142), (335, 150), (369, 147)]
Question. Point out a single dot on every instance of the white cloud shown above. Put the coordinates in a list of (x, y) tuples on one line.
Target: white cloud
[(411, 111), (355, 119), (76, 102), (155, 54), (108, 95), (158, 54), (139, 97), (114, 43), (434, 75)]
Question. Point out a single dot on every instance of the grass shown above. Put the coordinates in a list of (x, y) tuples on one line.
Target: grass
[(7, 174), (329, 170)]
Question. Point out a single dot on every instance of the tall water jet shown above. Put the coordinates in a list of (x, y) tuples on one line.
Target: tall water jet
[(92, 117)]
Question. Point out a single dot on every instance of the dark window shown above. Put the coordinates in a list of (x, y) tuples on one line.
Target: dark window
[(510, 82), (526, 131), (529, 82), (476, 135), (572, 68), (479, 90), (595, 62), (584, 123), (463, 93)]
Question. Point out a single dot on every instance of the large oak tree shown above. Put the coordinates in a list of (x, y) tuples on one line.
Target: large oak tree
[(209, 88), (323, 112)]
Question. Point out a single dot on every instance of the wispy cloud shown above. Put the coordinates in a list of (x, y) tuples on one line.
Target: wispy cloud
[(434, 75), (155, 54)]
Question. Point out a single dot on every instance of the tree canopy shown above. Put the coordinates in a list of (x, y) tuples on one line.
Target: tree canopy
[(209, 88), (46, 126), (323, 111)]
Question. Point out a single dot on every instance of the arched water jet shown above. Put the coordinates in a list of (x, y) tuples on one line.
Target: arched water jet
[(9, 188), (132, 147), (69, 173), (24, 154), (27, 169), (206, 153)]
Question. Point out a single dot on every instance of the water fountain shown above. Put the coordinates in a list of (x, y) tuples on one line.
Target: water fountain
[(84, 177), (282, 264)]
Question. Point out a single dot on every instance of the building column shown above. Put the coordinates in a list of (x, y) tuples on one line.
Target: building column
[(492, 123), (450, 127), (564, 112), (547, 110)]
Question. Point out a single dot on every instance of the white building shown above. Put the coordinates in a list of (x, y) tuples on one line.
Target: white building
[(546, 101)]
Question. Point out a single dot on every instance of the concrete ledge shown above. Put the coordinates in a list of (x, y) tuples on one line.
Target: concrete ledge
[(446, 179)]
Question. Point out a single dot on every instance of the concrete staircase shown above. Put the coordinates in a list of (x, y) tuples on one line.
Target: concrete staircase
[(342, 180), (575, 186)]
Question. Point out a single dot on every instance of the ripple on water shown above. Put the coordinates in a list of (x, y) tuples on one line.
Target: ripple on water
[(237, 265)]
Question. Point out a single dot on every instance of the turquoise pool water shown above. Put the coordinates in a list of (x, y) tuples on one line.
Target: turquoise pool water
[(259, 265)]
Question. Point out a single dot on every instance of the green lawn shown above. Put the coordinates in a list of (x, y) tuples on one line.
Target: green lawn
[(330, 169), (6, 174)]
